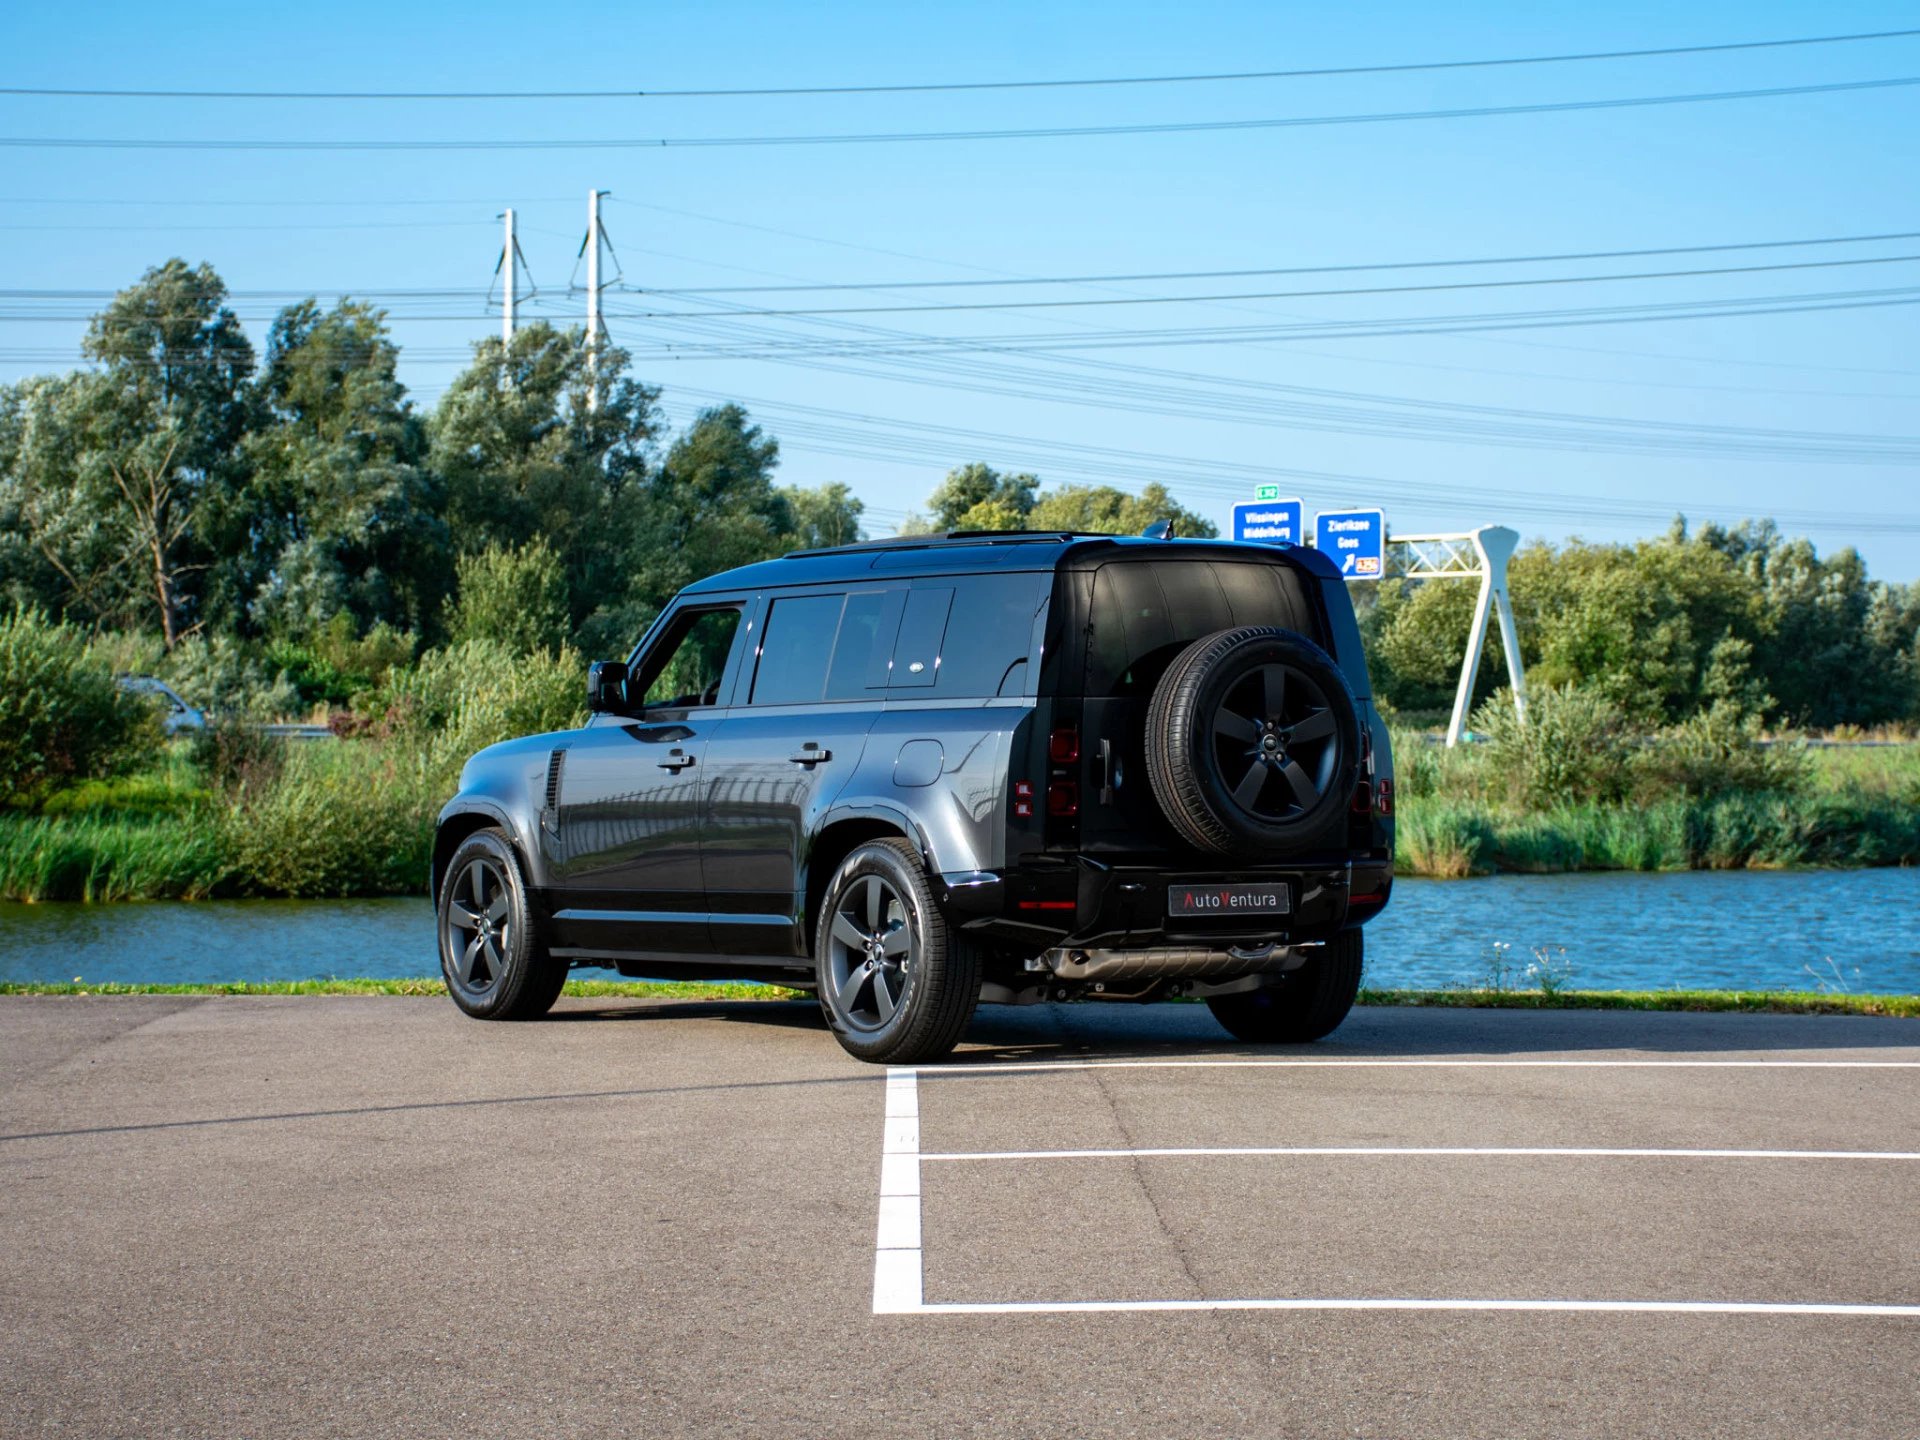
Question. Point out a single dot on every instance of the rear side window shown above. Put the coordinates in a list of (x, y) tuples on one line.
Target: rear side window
[(990, 634), (1145, 612)]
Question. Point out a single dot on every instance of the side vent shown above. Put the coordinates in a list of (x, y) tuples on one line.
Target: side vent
[(550, 812)]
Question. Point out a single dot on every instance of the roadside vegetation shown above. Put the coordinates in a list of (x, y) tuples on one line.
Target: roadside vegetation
[(1769, 1002), (287, 537)]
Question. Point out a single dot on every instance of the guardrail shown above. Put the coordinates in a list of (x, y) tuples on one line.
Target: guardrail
[(296, 732)]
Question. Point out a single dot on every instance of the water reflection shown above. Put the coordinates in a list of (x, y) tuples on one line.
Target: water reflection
[(1741, 929)]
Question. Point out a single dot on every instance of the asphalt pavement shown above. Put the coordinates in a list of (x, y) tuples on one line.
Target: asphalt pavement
[(369, 1216)]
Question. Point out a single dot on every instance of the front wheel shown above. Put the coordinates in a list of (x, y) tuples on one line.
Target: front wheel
[(897, 985), (1309, 1004), (492, 954)]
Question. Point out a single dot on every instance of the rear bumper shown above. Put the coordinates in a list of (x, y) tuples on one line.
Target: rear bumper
[(1086, 903)]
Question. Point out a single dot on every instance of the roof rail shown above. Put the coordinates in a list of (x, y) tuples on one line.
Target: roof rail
[(952, 537)]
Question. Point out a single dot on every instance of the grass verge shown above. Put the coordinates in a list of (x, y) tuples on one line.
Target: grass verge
[(1768, 1002), (1759, 1002), (424, 985)]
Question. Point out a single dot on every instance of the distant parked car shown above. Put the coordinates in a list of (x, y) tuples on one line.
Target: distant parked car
[(177, 717)]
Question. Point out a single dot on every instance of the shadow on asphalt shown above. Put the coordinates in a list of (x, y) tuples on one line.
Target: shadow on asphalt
[(1002, 1033)]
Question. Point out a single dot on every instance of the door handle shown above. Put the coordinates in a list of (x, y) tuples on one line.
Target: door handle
[(676, 761), (811, 755)]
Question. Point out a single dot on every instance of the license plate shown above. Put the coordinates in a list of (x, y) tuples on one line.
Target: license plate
[(1211, 900)]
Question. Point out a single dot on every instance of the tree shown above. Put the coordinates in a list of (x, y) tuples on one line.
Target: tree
[(515, 598), (829, 515), (1101, 509), (114, 473), (522, 455), (340, 512), (978, 497)]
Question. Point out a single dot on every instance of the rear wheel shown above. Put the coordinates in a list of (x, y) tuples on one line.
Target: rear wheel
[(1309, 1004), (493, 955), (896, 984)]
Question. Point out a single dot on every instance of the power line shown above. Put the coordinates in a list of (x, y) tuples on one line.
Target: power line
[(1350, 329), (1320, 294), (1160, 275), (400, 292), (25, 142), (931, 87)]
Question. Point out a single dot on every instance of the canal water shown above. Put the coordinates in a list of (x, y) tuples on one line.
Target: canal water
[(1857, 930)]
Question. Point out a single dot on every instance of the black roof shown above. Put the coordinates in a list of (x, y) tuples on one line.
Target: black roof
[(964, 551)]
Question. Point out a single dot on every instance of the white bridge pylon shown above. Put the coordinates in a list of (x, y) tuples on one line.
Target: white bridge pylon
[(1477, 554)]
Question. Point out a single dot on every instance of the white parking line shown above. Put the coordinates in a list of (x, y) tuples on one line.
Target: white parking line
[(1570, 1151), (898, 1265), (1001, 1067), (1656, 1307), (896, 1251)]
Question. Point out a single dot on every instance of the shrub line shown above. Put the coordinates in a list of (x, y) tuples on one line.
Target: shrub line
[(1770, 1002)]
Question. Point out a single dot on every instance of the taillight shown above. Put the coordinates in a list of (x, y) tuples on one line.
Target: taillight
[(1063, 746), (1063, 797), (1383, 799), (1023, 799), (1362, 799)]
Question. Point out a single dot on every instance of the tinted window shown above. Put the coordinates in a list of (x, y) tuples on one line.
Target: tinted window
[(685, 669), (1144, 613), (859, 661), (916, 654), (795, 648), (992, 631)]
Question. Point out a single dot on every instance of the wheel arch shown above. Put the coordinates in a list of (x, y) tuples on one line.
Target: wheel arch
[(839, 839), (455, 827)]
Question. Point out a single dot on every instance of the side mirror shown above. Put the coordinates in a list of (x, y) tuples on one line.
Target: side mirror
[(607, 686)]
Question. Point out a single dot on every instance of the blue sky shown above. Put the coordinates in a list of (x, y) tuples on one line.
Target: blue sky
[(1597, 430)]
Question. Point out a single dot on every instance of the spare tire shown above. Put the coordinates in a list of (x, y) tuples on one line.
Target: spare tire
[(1253, 743)]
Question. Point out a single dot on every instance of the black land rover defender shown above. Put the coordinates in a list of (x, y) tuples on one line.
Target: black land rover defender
[(917, 774)]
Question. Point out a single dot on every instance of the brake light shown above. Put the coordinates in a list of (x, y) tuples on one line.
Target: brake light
[(1063, 798), (1383, 800), (1063, 746), (1362, 799), (1023, 799)]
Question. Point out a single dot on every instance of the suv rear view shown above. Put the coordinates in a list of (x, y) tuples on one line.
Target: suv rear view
[(916, 775)]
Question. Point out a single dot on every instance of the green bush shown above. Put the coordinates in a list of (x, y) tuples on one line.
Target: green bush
[(350, 817), (62, 716), (468, 696), (224, 677), (1571, 747), (516, 598), (1714, 752), (232, 754)]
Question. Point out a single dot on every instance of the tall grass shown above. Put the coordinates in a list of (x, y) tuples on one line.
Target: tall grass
[(112, 857), (1445, 839), (352, 818)]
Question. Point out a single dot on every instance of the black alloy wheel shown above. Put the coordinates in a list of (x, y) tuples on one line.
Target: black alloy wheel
[(896, 985), (493, 955), (1276, 743), (1253, 744)]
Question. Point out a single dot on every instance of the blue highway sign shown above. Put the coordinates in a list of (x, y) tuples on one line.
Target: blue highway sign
[(1355, 539), (1268, 522)]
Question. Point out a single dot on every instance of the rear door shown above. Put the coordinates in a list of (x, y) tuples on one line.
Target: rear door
[(1142, 612), (809, 692)]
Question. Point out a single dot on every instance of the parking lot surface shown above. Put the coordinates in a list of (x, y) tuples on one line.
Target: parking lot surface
[(368, 1216)]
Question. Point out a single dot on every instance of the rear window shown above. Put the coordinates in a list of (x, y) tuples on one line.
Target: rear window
[(1145, 612)]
